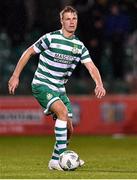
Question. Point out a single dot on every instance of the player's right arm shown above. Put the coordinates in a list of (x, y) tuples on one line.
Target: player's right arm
[(14, 80)]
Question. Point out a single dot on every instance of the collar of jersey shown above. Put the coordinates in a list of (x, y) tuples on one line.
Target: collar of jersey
[(66, 37)]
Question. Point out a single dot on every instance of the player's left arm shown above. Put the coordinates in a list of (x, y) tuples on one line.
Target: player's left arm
[(95, 74)]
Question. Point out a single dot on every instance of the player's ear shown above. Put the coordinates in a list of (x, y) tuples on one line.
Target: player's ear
[(61, 21)]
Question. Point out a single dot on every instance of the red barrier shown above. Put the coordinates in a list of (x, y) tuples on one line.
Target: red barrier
[(112, 114)]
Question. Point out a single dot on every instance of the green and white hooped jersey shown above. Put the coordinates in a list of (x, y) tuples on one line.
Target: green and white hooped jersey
[(58, 58)]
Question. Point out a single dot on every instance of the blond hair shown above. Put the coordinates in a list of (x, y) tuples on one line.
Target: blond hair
[(67, 9)]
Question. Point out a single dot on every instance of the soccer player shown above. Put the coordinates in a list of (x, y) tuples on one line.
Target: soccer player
[(59, 54)]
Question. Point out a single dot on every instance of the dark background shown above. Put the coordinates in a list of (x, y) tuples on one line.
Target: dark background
[(108, 29)]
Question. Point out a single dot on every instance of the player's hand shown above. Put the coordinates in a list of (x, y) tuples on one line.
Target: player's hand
[(13, 84), (100, 91)]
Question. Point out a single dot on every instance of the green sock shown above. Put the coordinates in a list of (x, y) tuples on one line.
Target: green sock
[(61, 136)]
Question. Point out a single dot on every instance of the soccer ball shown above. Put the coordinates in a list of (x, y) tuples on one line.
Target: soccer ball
[(69, 160)]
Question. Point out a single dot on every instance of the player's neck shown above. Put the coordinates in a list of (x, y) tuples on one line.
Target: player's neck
[(67, 34)]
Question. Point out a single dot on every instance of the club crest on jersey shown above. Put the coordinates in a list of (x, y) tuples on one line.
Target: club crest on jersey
[(75, 50), (49, 96)]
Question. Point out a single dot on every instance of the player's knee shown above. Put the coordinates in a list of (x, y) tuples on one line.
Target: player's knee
[(63, 114)]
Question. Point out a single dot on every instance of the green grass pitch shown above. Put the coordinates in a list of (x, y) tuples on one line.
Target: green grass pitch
[(105, 158)]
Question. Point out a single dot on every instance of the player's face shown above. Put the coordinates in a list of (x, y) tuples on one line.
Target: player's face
[(69, 22)]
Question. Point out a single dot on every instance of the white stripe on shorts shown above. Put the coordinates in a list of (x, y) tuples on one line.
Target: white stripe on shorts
[(49, 104)]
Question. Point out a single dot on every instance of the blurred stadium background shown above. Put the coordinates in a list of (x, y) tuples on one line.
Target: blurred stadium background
[(109, 30)]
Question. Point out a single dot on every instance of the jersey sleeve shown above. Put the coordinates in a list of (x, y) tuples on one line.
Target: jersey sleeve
[(42, 44), (85, 57)]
